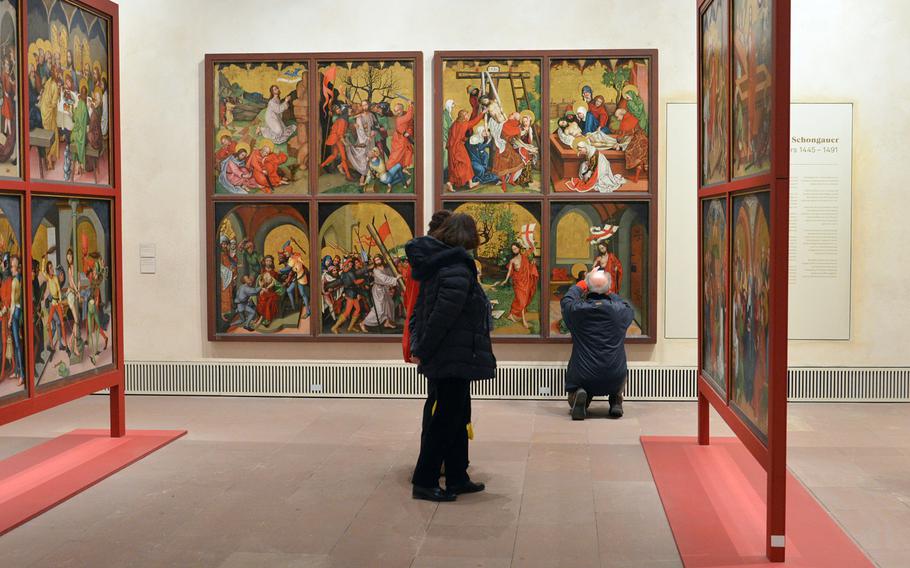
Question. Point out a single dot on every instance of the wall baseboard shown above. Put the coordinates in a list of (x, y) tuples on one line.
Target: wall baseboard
[(537, 381)]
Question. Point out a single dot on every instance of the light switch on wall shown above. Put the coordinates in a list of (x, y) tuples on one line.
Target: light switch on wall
[(147, 250), (147, 266)]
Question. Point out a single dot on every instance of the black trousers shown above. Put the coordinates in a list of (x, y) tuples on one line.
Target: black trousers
[(444, 437)]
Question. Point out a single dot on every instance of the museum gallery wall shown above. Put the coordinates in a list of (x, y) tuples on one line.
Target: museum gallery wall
[(313, 187), (554, 155), (60, 331)]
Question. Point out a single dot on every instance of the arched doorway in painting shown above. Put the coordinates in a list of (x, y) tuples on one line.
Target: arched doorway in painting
[(262, 283)]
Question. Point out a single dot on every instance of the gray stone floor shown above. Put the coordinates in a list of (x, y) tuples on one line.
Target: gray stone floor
[(317, 483)]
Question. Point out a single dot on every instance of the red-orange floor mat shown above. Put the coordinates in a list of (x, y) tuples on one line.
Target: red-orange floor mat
[(33, 481), (714, 497)]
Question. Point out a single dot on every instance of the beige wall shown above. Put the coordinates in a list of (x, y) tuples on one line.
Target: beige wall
[(843, 51)]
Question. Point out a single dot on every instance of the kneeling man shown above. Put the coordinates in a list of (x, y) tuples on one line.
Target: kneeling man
[(598, 321)]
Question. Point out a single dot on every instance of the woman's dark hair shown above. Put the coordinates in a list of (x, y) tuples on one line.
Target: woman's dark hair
[(459, 230), (438, 219)]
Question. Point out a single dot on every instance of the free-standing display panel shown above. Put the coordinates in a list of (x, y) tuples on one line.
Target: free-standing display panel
[(743, 173), (555, 154), (313, 176), (60, 299)]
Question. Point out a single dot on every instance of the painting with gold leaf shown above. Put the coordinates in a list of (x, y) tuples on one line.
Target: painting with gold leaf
[(260, 136), (508, 262), (72, 290), (364, 270), (12, 333), (9, 87), (612, 235), (490, 126), (69, 93), (753, 86), (600, 125), (262, 272), (366, 126)]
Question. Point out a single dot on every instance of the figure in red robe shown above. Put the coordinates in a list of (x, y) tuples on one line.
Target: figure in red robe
[(507, 164), (9, 90), (267, 303), (460, 171), (474, 98), (264, 167), (524, 276), (335, 140), (637, 148), (228, 147), (411, 291), (5, 307), (403, 138), (610, 264), (596, 107)]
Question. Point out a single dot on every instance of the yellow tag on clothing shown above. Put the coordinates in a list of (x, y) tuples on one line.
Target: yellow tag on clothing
[(470, 428), (433, 411)]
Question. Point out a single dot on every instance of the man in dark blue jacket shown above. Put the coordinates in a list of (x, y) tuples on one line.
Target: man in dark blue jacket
[(598, 322)]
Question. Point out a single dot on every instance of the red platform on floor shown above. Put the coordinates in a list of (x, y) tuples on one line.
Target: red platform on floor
[(33, 481), (714, 497)]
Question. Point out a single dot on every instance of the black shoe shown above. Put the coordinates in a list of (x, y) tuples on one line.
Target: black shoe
[(615, 406), (466, 487), (432, 494), (579, 409)]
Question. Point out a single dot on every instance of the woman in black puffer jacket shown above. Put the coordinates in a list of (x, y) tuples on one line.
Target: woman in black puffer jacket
[(450, 340)]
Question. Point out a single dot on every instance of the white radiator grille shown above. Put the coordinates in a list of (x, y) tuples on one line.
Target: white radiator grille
[(388, 379)]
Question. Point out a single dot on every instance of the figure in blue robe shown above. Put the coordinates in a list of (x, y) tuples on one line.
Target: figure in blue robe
[(480, 160)]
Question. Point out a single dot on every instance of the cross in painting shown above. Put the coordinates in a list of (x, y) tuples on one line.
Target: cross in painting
[(516, 81), (753, 83), (527, 234)]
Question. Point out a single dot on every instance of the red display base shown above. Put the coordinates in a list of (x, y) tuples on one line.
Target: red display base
[(33, 481), (714, 497)]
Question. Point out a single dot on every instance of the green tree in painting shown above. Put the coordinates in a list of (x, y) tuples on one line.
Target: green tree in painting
[(496, 231), (506, 227), (617, 78)]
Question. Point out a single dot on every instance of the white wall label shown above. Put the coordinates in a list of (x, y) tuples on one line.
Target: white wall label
[(821, 152)]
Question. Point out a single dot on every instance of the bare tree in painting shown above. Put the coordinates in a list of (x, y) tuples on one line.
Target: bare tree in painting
[(372, 83)]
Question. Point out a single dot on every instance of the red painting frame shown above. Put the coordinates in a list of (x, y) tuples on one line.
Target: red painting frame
[(313, 198), (112, 377), (770, 453), (546, 196)]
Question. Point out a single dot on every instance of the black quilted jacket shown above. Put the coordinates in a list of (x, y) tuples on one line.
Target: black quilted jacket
[(450, 325)]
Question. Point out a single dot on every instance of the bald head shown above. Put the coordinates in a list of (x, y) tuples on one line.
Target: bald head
[(599, 282)]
